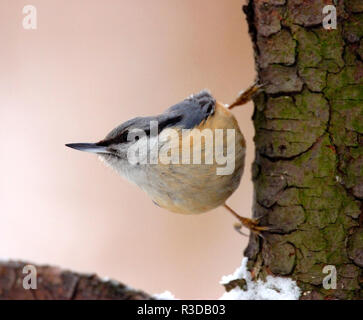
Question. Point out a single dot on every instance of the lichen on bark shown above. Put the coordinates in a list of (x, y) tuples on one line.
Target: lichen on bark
[(308, 170)]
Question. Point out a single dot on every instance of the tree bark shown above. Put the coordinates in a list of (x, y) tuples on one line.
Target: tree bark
[(54, 283), (308, 168)]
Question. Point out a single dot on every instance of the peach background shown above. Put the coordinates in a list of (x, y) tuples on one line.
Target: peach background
[(88, 67)]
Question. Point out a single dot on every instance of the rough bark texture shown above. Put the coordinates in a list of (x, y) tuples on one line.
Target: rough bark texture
[(54, 283), (308, 170)]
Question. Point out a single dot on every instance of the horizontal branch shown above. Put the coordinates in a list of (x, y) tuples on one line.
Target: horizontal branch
[(55, 283)]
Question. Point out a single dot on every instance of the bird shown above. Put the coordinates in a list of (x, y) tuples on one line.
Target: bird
[(148, 151)]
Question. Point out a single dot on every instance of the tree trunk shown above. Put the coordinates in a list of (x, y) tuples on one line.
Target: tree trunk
[(307, 173)]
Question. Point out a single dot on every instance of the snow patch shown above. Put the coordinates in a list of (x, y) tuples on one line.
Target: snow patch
[(274, 288), (166, 295)]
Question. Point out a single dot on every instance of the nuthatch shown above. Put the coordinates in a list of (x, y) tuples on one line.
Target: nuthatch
[(187, 188)]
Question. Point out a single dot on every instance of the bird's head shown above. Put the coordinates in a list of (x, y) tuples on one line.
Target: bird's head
[(143, 133)]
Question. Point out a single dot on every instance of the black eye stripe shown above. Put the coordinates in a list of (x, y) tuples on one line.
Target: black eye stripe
[(118, 139), (122, 137)]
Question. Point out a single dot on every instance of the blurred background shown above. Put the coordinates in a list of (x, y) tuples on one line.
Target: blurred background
[(89, 66)]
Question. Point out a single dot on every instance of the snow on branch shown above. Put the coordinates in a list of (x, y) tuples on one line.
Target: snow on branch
[(274, 288)]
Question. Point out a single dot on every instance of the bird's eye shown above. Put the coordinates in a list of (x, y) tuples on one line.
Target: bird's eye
[(137, 138)]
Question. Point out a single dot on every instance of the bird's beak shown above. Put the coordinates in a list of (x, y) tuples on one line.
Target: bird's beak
[(88, 147)]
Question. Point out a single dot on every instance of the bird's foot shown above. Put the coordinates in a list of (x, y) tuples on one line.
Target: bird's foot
[(251, 224), (246, 95)]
